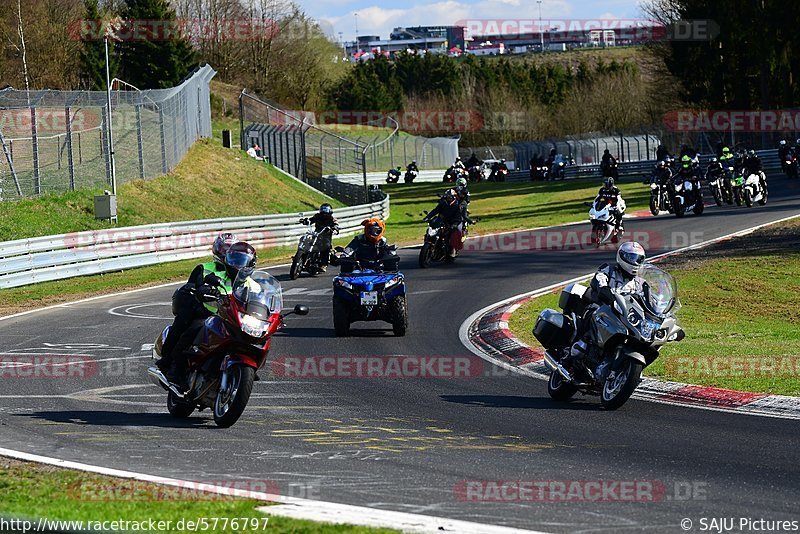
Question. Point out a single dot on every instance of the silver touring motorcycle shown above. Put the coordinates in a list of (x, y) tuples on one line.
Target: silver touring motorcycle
[(621, 339)]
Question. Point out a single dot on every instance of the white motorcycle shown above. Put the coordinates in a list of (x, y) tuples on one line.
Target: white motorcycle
[(755, 190), (602, 216)]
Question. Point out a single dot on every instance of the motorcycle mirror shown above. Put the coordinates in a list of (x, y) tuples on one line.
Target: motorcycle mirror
[(301, 309)]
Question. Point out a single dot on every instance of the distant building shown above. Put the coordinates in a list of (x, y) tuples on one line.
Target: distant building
[(487, 48), (420, 39)]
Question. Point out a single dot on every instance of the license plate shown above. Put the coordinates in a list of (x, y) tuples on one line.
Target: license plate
[(369, 298)]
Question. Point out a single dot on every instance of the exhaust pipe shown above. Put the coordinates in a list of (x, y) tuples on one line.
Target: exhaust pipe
[(157, 377), (553, 365)]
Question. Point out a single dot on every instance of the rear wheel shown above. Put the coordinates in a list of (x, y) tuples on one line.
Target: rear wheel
[(399, 314), (559, 389), (230, 404), (425, 254), (341, 318), (297, 265), (178, 408), (620, 385)]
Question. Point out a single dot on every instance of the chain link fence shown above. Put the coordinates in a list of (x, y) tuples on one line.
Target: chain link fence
[(58, 141), (292, 141)]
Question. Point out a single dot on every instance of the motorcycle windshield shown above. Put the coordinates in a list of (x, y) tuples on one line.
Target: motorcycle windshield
[(660, 290), (258, 294)]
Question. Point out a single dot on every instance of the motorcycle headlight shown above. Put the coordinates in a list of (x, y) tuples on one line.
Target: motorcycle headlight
[(432, 231), (344, 283), (678, 187), (393, 282), (253, 326), (653, 186)]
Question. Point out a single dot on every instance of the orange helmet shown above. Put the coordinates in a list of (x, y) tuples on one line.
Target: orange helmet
[(373, 229)]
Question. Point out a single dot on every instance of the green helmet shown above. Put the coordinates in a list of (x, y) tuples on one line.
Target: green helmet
[(726, 150), (461, 182), (686, 161)]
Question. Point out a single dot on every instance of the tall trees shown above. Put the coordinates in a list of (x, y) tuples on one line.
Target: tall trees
[(160, 57)]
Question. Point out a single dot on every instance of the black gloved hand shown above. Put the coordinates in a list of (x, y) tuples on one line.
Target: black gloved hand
[(606, 296)]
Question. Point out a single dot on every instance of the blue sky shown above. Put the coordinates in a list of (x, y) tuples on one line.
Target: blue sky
[(379, 17)]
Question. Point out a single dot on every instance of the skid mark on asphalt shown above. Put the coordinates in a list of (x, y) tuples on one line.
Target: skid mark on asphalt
[(393, 435)]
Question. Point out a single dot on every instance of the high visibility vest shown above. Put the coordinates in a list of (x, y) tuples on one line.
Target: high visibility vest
[(212, 267)]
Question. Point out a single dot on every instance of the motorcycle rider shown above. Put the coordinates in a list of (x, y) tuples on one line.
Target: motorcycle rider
[(610, 279), (453, 214), (610, 194), (714, 170), (321, 220), (606, 162), (239, 256), (412, 166), (395, 173), (185, 306), (459, 165), (497, 166), (753, 165), (783, 151), (371, 246), (661, 152), (661, 174)]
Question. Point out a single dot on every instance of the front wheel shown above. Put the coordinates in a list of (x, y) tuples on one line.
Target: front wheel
[(559, 389), (748, 197), (737, 196), (654, 207), (680, 207), (230, 404), (341, 318), (717, 195), (178, 408), (398, 311), (425, 254), (598, 234), (763, 200), (297, 266), (620, 385)]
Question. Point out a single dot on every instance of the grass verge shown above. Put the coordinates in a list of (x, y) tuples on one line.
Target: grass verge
[(504, 206), (33, 490), (739, 311), (210, 182)]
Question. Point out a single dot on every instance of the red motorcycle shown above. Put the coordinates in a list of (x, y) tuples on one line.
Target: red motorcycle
[(232, 345)]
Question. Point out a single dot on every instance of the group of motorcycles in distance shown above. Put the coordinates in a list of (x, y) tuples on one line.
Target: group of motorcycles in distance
[(733, 177)]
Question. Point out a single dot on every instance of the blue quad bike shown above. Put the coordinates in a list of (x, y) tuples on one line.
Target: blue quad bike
[(369, 291)]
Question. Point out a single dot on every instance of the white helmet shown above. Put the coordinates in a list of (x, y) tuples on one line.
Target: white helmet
[(630, 257)]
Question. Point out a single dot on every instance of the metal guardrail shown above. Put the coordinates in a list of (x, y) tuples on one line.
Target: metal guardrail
[(379, 177), (57, 257)]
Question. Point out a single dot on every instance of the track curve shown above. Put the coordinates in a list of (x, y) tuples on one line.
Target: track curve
[(407, 444)]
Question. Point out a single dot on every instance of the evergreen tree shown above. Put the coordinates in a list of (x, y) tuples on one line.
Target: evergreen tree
[(93, 56), (153, 59)]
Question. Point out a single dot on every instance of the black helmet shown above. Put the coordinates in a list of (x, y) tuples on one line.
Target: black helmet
[(608, 182), (241, 256), (221, 245), (326, 208)]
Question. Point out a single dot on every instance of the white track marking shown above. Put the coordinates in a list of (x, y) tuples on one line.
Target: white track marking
[(292, 506), (463, 331), (128, 311)]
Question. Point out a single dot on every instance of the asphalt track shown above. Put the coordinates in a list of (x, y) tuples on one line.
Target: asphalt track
[(407, 444)]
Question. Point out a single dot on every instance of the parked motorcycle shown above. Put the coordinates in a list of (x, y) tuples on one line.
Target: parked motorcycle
[(309, 253), (621, 339), (369, 291), (755, 190), (601, 216), (229, 349)]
